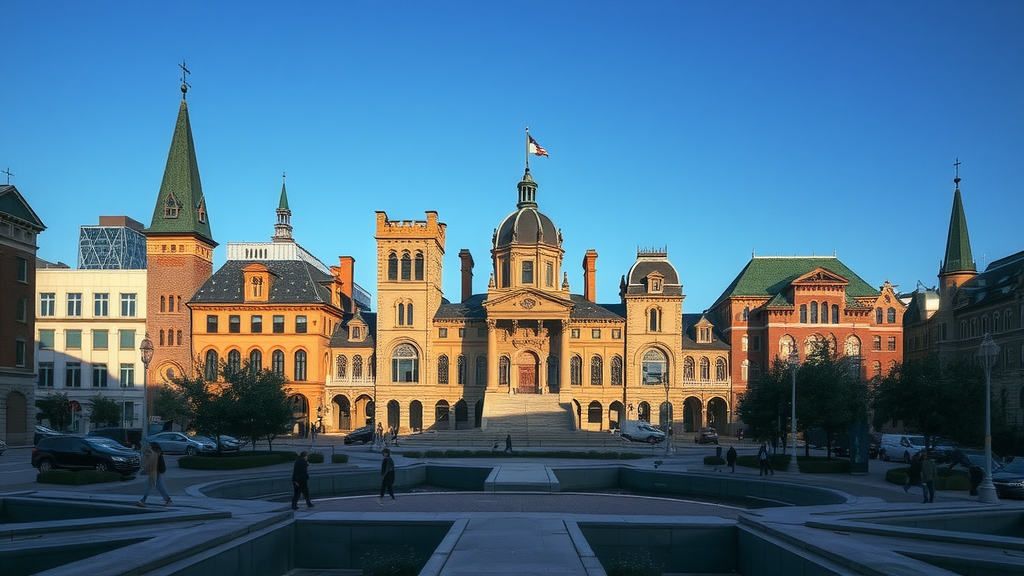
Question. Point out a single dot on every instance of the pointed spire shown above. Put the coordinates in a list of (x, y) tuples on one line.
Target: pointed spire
[(283, 204), (180, 206), (283, 228), (958, 242)]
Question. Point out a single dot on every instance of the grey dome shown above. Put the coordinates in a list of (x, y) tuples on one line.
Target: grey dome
[(527, 225)]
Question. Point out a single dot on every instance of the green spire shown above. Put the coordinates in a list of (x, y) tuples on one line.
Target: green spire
[(180, 206), (958, 243), (283, 205)]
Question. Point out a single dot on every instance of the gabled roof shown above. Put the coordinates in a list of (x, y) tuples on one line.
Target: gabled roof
[(295, 282), (14, 205), (690, 321), (340, 338), (769, 276), (181, 186)]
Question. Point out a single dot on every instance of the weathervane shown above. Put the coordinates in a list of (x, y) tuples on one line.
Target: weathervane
[(184, 83)]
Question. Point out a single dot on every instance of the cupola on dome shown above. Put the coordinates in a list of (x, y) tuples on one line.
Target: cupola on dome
[(527, 225)]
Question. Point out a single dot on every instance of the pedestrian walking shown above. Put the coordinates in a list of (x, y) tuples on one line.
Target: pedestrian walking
[(914, 473), (730, 458), (508, 443), (387, 472), (764, 459), (154, 467), (928, 473), (300, 481)]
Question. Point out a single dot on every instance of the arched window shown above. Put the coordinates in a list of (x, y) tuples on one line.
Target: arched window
[(179, 337), (481, 370), (786, 346), (392, 266), (852, 346), (824, 312), (655, 320), (596, 371), (504, 367), (835, 313), (405, 364), (163, 303), (688, 368), (234, 361), (357, 367), (984, 324), (277, 362), (878, 315), (890, 316), (161, 337), (406, 266), (419, 266), (705, 369), (341, 365), (996, 326), (300, 365), (401, 314), (721, 373), (745, 370), (814, 312), (442, 369), (746, 313), (803, 313), (552, 371), (654, 367), (170, 337), (576, 370), (744, 343), (408, 314), (211, 365), (616, 370), (255, 361), (461, 370)]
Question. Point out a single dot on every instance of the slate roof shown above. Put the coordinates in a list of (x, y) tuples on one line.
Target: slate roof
[(770, 276), (583, 309), (14, 205), (718, 341), (471, 309), (997, 282), (341, 332), (296, 282)]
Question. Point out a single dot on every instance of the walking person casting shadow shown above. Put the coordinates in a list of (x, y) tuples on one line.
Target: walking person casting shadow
[(300, 481), (154, 467), (387, 472)]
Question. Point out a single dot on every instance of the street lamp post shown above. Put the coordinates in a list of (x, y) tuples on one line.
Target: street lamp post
[(988, 351), (794, 364), (146, 348), (668, 418)]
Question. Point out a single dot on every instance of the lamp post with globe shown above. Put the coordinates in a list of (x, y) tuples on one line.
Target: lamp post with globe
[(146, 348), (794, 365), (668, 417), (988, 351)]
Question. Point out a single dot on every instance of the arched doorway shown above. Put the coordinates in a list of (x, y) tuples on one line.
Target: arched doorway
[(665, 415), (442, 415), (364, 411), (643, 412), (577, 414), (17, 418), (594, 414), (394, 415), (343, 412), (527, 372), (691, 415), (416, 416), (461, 415), (300, 414), (616, 413), (478, 414), (717, 414)]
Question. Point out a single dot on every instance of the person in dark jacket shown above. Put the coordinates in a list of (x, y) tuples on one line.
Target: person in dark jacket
[(387, 472), (154, 467), (300, 481), (914, 473), (730, 458), (508, 443)]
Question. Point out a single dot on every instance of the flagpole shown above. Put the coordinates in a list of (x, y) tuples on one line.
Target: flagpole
[(527, 148)]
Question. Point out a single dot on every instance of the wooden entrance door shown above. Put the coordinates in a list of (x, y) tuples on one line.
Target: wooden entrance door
[(527, 379)]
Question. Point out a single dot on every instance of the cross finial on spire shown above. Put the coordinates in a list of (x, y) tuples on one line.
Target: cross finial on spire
[(8, 172), (956, 166), (184, 83)]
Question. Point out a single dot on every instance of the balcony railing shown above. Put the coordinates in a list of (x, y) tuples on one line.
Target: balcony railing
[(350, 381)]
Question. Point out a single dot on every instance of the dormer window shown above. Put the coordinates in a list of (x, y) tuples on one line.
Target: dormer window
[(171, 207), (256, 283), (704, 334), (201, 211), (356, 333), (655, 283)]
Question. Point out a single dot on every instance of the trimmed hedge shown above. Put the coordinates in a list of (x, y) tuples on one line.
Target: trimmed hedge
[(78, 477), (714, 461), (946, 480), (821, 465), (236, 460), (568, 454), (316, 458), (339, 458), (780, 462)]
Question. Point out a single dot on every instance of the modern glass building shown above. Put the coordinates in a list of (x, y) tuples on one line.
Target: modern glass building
[(116, 243)]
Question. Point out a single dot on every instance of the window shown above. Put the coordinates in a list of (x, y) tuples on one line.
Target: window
[(721, 374), (746, 313), (406, 266), (481, 370), (462, 332), (341, 367), (392, 266), (504, 371), (405, 364), (46, 339), (418, 271), (596, 371), (616, 334), (357, 367), (356, 333), (814, 312), (851, 347), (505, 273), (277, 362), (20, 353), (890, 316), (163, 303), (461, 369), (876, 343), (234, 361), (99, 375), (234, 324), (705, 369), (128, 339), (689, 369), (255, 361), (211, 324), (835, 313), (101, 305), (755, 343), (408, 314), (574, 333), (595, 334), (745, 370), (549, 274), (211, 365), (73, 339), (576, 371), (300, 324), (22, 265), (787, 344), (552, 371), (127, 375), (824, 312), (743, 344), (256, 324), (257, 286), (442, 332), (75, 304), (73, 375), (278, 324), (170, 303), (47, 303), (891, 343), (654, 317), (878, 315), (803, 314), (616, 371), (442, 369), (46, 374), (654, 367), (100, 339), (527, 272)]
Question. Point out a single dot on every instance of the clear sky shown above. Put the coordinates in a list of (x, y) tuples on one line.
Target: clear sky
[(713, 128)]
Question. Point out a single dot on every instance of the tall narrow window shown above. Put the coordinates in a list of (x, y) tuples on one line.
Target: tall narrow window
[(596, 371), (721, 374), (878, 315), (401, 314), (392, 266), (418, 270), (689, 368), (835, 313), (890, 316), (234, 361), (357, 367), (549, 274), (616, 371), (406, 266), (705, 369), (163, 303), (803, 313), (277, 362), (442, 369), (408, 314), (341, 367), (504, 370), (99, 375), (553, 377), (576, 371), (481, 370), (505, 273), (527, 277), (814, 312), (655, 320), (824, 312), (300, 365), (255, 361), (461, 370), (127, 375), (211, 365)]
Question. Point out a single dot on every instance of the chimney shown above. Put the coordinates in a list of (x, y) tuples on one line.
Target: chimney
[(467, 273), (344, 275), (590, 275)]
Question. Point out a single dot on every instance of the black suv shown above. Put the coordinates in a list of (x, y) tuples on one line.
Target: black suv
[(84, 453)]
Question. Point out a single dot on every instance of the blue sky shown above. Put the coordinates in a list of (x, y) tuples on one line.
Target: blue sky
[(712, 128)]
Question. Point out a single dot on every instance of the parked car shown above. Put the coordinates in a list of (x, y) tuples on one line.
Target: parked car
[(901, 446), (178, 443), (874, 445), (361, 435), (43, 432), (639, 431), (129, 437), (226, 443), (1009, 480), (707, 435), (944, 450), (84, 453)]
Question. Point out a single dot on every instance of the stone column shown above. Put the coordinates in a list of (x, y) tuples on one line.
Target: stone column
[(564, 359), (492, 353)]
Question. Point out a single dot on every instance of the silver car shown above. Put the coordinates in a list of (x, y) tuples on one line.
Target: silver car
[(178, 443)]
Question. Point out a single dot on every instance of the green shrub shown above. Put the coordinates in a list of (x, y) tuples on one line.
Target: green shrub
[(946, 479), (780, 462), (821, 465), (633, 563), (316, 458), (78, 477), (388, 563), (565, 454), (236, 460), (714, 461), (896, 476), (339, 458)]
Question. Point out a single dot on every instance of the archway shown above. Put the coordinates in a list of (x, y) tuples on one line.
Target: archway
[(527, 371), (478, 413), (343, 412), (416, 416), (616, 414), (364, 411), (643, 412), (665, 415), (692, 420), (300, 414), (394, 419), (442, 415), (594, 416), (461, 415), (717, 414)]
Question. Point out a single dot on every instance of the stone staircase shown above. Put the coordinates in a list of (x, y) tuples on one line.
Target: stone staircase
[(523, 415)]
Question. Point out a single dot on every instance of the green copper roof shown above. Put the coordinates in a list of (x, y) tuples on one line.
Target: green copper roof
[(769, 276), (958, 243), (181, 207), (283, 205)]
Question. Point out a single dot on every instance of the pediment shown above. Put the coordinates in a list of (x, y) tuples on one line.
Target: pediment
[(529, 303), (820, 276)]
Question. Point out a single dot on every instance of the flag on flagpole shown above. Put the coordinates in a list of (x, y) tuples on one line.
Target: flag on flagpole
[(536, 149)]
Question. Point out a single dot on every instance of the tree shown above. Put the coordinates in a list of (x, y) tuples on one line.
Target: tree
[(830, 394), (55, 407), (257, 404), (762, 406), (104, 411), (934, 399)]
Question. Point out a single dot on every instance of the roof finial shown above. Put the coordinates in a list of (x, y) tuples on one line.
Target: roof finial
[(184, 83), (956, 177), (8, 172)]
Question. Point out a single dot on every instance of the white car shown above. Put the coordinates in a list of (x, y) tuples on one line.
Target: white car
[(639, 431)]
